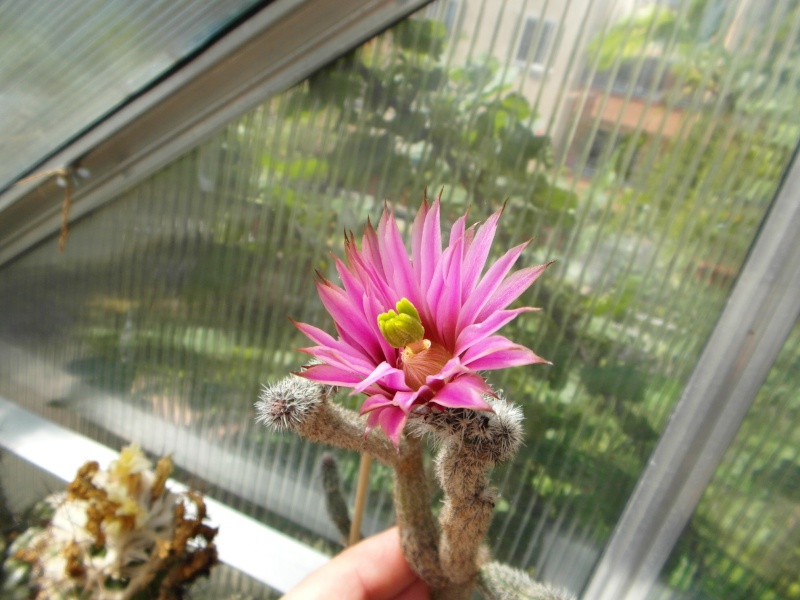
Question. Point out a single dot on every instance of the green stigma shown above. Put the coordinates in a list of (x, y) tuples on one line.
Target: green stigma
[(402, 327)]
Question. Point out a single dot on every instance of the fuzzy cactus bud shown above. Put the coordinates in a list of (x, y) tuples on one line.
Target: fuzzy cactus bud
[(287, 403)]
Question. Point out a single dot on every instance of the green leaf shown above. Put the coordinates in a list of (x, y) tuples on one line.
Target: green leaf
[(422, 36), (307, 168), (517, 106), (616, 381)]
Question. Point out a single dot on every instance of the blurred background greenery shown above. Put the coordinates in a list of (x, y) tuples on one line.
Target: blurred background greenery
[(639, 147)]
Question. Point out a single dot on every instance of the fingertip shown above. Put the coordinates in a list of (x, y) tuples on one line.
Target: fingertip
[(375, 568), (418, 590)]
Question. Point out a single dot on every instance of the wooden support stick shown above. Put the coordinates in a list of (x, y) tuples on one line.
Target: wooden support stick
[(361, 498)]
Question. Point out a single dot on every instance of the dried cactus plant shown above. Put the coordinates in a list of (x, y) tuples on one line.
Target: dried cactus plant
[(415, 333), (114, 534)]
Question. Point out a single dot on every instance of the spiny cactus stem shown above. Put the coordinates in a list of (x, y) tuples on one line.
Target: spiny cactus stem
[(470, 444), (497, 581), (418, 532), (304, 407), (467, 511), (338, 426), (335, 503), (454, 591)]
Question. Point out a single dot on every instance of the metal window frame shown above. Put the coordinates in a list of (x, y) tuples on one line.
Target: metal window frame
[(750, 333), (276, 48)]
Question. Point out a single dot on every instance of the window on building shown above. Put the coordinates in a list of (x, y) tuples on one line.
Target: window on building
[(536, 41)]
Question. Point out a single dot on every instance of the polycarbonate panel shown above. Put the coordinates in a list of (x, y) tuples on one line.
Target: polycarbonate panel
[(744, 538), (66, 64), (639, 148)]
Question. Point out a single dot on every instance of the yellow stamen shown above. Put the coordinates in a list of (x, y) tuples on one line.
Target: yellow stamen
[(414, 348)]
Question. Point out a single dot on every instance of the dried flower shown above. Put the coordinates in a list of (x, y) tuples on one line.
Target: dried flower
[(117, 533), (415, 330)]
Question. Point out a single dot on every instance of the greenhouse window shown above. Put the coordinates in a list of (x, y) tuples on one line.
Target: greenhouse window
[(150, 267)]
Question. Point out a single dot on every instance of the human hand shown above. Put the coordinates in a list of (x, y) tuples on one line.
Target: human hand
[(373, 569)]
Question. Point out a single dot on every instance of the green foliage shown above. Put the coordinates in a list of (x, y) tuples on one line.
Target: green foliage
[(407, 119), (615, 382), (629, 37), (421, 36)]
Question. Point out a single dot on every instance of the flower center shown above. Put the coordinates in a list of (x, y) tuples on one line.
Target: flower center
[(419, 357), (422, 359)]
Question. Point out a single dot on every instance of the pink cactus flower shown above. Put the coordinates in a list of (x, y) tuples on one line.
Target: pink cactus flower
[(414, 332)]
